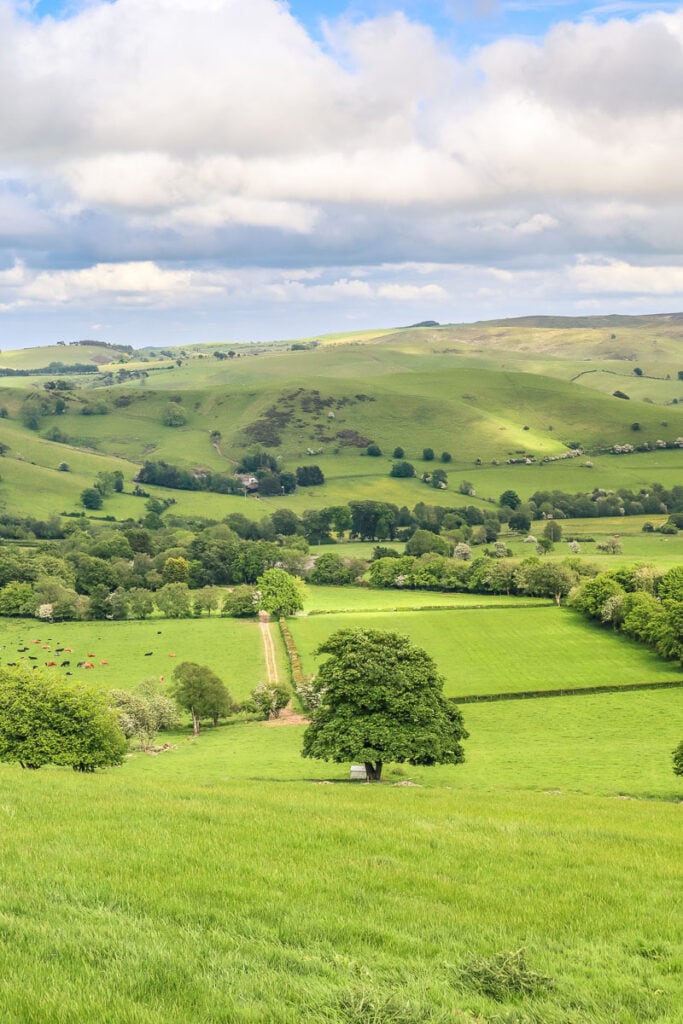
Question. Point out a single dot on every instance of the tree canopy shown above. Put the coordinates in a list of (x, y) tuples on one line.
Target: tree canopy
[(280, 593), (201, 692), (44, 720), (382, 700)]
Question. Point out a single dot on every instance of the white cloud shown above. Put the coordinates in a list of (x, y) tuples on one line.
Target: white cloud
[(617, 276), (147, 284), (150, 139)]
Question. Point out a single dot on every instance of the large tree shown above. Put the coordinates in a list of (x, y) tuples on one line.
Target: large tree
[(279, 593), (46, 721), (201, 692), (382, 700)]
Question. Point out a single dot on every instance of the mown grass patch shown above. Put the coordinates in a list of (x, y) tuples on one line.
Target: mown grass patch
[(330, 599), (499, 650)]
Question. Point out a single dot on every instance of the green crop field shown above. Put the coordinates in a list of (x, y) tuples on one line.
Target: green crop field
[(232, 648), (500, 650)]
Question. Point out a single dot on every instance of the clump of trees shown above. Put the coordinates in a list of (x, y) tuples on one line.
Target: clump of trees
[(46, 721), (645, 604), (268, 699), (309, 476), (198, 689), (381, 700), (144, 713)]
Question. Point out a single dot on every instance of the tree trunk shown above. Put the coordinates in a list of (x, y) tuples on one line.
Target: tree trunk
[(373, 771), (195, 722)]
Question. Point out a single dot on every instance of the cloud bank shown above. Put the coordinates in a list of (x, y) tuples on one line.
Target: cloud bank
[(208, 155)]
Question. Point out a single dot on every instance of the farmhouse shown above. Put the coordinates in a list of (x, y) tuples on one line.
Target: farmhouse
[(248, 480)]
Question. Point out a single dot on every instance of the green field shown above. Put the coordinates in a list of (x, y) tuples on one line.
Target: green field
[(504, 650), (232, 648), (339, 599), (214, 883), (482, 392), (226, 880)]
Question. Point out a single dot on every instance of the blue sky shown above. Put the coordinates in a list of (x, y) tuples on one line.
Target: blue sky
[(233, 170)]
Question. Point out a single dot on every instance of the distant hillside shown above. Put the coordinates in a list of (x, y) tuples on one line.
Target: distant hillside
[(489, 394)]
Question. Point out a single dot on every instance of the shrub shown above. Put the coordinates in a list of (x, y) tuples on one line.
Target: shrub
[(402, 469), (174, 416), (268, 700), (373, 450), (427, 454)]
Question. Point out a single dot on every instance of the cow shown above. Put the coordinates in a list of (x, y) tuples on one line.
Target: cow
[(148, 654), (104, 663), (64, 664), (50, 664)]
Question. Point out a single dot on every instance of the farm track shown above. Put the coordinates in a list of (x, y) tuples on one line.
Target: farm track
[(269, 651)]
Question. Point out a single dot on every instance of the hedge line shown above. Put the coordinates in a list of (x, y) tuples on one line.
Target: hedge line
[(433, 608), (575, 692), (295, 670)]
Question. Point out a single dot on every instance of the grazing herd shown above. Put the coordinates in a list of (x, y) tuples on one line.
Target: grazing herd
[(87, 663)]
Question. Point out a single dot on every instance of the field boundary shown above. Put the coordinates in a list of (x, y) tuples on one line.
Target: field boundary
[(296, 671), (431, 608), (579, 691)]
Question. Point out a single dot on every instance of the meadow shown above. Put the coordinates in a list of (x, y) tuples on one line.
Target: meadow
[(357, 599), (504, 650), (216, 883), (232, 648), (227, 879)]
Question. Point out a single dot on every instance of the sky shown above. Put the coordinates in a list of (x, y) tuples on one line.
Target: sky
[(176, 171)]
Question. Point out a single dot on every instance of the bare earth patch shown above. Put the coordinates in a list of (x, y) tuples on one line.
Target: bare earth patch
[(288, 716)]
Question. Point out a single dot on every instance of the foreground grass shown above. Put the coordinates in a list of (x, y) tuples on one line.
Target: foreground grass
[(215, 884), (499, 650)]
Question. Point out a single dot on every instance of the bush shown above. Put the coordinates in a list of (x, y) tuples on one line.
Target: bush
[(427, 454), (373, 450), (268, 700), (174, 416), (309, 476), (45, 721), (398, 453), (402, 469), (91, 498), (446, 457)]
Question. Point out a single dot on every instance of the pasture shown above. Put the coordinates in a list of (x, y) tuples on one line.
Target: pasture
[(229, 880), (134, 651), (357, 599), (215, 882), (504, 650)]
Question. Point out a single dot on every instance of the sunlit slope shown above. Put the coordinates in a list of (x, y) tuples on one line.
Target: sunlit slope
[(486, 393)]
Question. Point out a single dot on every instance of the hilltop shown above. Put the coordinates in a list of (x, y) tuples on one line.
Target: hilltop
[(492, 394)]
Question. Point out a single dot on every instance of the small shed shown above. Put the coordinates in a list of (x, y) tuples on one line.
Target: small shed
[(358, 773)]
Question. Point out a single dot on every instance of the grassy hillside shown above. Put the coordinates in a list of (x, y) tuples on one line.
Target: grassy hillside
[(218, 882), (485, 393)]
